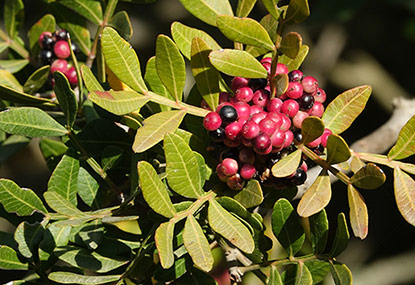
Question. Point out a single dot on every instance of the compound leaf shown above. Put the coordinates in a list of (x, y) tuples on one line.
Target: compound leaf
[(208, 10), (405, 145), (359, 218), (62, 277), (118, 102), (91, 10), (405, 194), (251, 195), (288, 165), (164, 243), (369, 176), (337, 150)]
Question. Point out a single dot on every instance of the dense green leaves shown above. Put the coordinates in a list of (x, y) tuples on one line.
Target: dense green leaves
[(13, 16), (91, 83), (61, 205), (31, 122), (206, 76), (28, 237), (286, 227), (36, 80), (182, 167), (23, 202), (319, 231), (274, 277), (90, 9), (405, 194), (359, 218), (118, 102), (66, 98), (369, 176), (121, 22), (229, 227), (197, 245), (244, 30), (71, 278), (88, 188), (343, 110), (122, 60), (237, 63), (244, 7), (287, 165), (164, 242), (8, 82), (405, 145), (9, 259), (341, 239), (337, 150), (208, 10), (12, 92), (291, 44), (271, 6), (154, 191), (341, 274), (270, 25), (235, 207), (312, 128), (319, 269), (251, 195), (316, 197), (153, 80), (155, 127), (170, 66), (303, 275), (297, 61), (297, 12), (183, 36), (13, 65)]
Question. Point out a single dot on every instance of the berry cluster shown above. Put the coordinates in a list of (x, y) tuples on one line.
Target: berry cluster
[(257, 130), (55, 51)]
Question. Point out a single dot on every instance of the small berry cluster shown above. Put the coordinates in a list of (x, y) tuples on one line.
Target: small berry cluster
[(55, 51), (258, 130)]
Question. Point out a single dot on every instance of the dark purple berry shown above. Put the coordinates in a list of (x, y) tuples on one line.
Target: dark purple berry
[(45, 57), (218, 134), (46, 40), (228, 114), (306, 102), (295, 75), (229, 153), (262, 142), (299, 177), (258, 83), (61, 35), (298, 136), (235, 182)]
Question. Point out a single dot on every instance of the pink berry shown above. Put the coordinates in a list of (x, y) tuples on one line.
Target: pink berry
[(246, 155), (276, 117), (233, 130), (266, 59), (290, 107), (281, 68), (256, 109), (235, 182), (223, 97), (289, 137), (243, 109), (267, 66), (261, 98), (229, 166), (267, 126), (320, 95), (286, 123), (278, 138), (310, 84), (274, 105), (314, 143), (317, 110), (295, 90), (248, 171), (258, 117), (262, 142), (299, 118), (72, 77), (325, 136), (244, 94), (265, 151), (59, 65), (62, 49), (238, 82), (250, 130), (221, 105), (304, 166), (212, 121)]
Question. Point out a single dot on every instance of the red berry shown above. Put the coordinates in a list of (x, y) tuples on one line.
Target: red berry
[(243, 109), (299, 118), (71, 75), (286, 123), (267, 66), (250, 130), (62, 49), (212, 121), (314, 143), (325, 136), (229, 166), (261, 98), (295, 75), (238, 82), (246, 155), (222, 177), (276, 118), (262, 142), (244, 94), (289, 137), (274, 105), (317, 110), (304, 166), (247, 171), (290, 107), (223, 97), (233, 130), (263, 152), (310, 84), (258, 117), (267, 126), (256, 109), (281, 68), (266, 59), (320, 95), (59, 65), (294, 90), (278, 138)]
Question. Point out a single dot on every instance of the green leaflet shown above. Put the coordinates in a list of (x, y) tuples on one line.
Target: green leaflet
[(244, 7), (121, 22), (287, 165), (271, 6), (319, 231), (359, 218), (297, 61), (90, 81), (8, 82), (118, 102), (291, 44), (182, 169), (405, 194), (153, 81), (36, 80), (297, 12), (88, 188), (341, 273), (66, 98), (13, 65), (337, 150), (208, 10), (90, 9), (71, 278), (28, 238), (154, 191), (61, 205), (341, 238), (251, 195), (13, 17), (164, 243), (369, 176), (9, 259), (405, 145), (311, 129)]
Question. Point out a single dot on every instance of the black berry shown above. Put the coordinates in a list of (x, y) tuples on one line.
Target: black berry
[(299, 177), (218, 134), (306, 102), (45, 57), (47, 42), (298, 136), (258, 83), (61, 35), (228, 114)]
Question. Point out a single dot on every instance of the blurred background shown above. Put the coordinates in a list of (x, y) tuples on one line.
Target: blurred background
[(352, 42)]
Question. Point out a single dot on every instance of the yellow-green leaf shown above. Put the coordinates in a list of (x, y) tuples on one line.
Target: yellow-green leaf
[(155, 127), (164, 243), (311, 129), (61, 205), (291, 44), (13, 17), (251, 195), (270, 24), (405, 145), (13, 93), (405, 195), (197, 245), (154, 191), (118, 102), (90, 81), (297, 12), (345, 108), (337, 150), (208, 10), (37, 79), (244, 7), (359, 218), (297, 61), (287, 165), (13, 65), (369, 176), (9, 259), (62, 277), (8, 80), (230, 227), (341, 274), (153, 81), (271, 6), (316, 197)]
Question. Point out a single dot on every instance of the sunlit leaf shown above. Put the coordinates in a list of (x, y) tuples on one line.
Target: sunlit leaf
[(341, 274), (13, 65), (303, 275), (183, 36), (90, 9), (316, 197), (383, 159), (337, 150), (121, 22), (9, 259), (295, 63), (153, 81), (405, 145), (13, 16), (359, 218), (28, 237), (118, 102), (270, 24), (92, 234), (155, 127), (122, 59), (286, 227), (235, 207), (244, 7), (405, 195), (288, 165), (297, 12), (62, 277), (21, 201), (274, 277), (229, 227), (311, 129), (164, 243), (36, 80), (341, 239), (61, 205), (90, 81), (251, 195), (318, 269), (208, 10), (291, 44), (244, 30), (8, 80), (271, 6), (369, 176), (154, 191), (13, 95), (206, 76), (319, 231), (345, 108)]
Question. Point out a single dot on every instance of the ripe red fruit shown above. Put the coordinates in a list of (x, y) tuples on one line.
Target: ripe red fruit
[(317, 110), (266, 59), (325, 136), (59, 65), (320, 95), (289, 137), (62, 49), (229, 166), (247, 171), (278, 138), (71, 75), (274, 105), (256, 109), (276, 117), (250, 130), (262, 142), (290, 107), (299, 118), (294, 90), (263, 152), (243, 110), (267, 66), (310, 84), (295, 75), (261, 98), (212, 121), (244, 94), (268, 126), (314, 143), (286, 123), (233, 130), (258, 117), (281, 68), (238, 82)]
